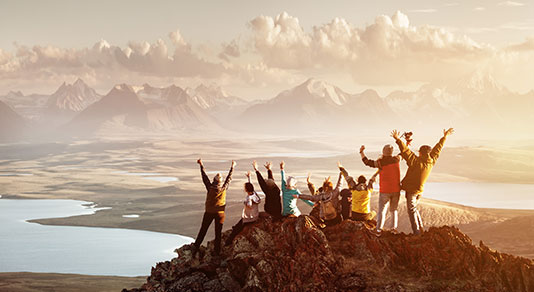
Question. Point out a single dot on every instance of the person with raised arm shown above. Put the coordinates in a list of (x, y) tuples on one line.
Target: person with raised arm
[(289, 188), (272, 205), (419, 168), (328, 198), (361, 195), (214, 206), (389, 176), (250, 212)]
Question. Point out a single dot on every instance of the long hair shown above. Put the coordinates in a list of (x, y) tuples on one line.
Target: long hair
[(249, 188), (327, 185)]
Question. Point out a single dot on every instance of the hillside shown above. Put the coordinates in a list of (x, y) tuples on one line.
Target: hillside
[(11, 123), (296, 255)]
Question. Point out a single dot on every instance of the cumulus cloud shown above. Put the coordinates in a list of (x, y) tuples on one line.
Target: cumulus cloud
[(511, 4), (230, 50), (388, 50), (143, 58)]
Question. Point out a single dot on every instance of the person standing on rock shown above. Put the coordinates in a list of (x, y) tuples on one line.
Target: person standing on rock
[(250, 212), (214, 206), (361, 195), (272, 204), (328, 198), (289, 188), (389, 175), (419, 168)]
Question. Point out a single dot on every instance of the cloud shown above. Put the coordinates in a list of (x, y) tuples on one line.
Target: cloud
[(230, 50), (428, 10), (479, 8), (390, 50), (143, 58), (511, 4), (527, 45)]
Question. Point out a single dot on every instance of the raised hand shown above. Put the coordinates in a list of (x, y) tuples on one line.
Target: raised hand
[(255, 165), (267, 165), (339, 165), (395, 134), (199, 161), (447, 132), (234, 163), (362, 148), (282, 164), (247, 174), (308, 178)]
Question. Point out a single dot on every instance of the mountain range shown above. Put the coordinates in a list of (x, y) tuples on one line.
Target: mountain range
[(476, 102)]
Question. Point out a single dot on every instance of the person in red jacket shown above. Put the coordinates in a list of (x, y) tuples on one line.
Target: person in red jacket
[(389, 171)]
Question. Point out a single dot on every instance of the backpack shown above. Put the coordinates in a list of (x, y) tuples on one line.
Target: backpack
[(329, 211)]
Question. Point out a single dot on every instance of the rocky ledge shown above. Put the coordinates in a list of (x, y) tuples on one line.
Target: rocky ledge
[(297, 255)]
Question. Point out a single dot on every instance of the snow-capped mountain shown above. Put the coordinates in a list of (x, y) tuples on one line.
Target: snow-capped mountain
[(72, 98), (121, 105), (318, 105), (170, 109)]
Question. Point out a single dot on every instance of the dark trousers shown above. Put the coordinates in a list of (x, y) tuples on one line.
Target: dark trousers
[(346, 205), (206, 222), (236, 229)]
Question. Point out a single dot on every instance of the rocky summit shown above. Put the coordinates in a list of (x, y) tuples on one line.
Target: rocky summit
[(296, 254)]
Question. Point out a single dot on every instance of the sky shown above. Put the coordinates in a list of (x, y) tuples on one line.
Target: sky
[(254, 49)]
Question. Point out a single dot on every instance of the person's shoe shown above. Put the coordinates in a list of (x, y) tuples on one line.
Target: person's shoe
[(375, 232), (194, 250)]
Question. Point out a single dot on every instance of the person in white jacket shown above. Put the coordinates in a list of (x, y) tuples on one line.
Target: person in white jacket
[(250, 212)]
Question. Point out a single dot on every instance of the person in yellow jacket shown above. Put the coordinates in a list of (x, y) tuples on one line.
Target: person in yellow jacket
[(361, 195), (419, 168)]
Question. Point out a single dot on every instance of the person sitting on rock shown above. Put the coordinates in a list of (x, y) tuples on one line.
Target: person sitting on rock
[(289, 188), (272, 204), (361, 195), (346, 200), (214, 206), (250, 212), (419, 168), (328, 199), (389, 176)]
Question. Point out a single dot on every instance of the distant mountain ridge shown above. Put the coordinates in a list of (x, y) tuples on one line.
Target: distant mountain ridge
[(474, 102)]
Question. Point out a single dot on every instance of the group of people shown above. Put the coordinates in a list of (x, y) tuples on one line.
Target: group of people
[(334, 204)]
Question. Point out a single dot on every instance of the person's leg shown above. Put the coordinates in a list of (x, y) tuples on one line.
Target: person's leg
[(383, 203), (411, 206), (394, 204), (419, 218), (206, 221), (236, 229), (219, 220)]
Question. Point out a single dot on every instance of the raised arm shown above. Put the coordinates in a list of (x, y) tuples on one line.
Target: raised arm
[(406, 153), (282, 173), (269, 171), (205, 178), (338, 185), (434, 154), (229, 176), (365, 160), (311, 187), (349, 179), (372, 180)]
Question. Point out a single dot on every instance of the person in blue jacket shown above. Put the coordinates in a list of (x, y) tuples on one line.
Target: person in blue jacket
[(289, 188)]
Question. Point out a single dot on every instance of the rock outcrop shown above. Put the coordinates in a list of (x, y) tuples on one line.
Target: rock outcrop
[(297, 255)]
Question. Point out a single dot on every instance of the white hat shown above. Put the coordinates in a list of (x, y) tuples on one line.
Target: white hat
[(291, 182)]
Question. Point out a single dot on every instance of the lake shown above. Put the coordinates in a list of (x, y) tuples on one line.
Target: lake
[(483, 195), (34, 247)]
